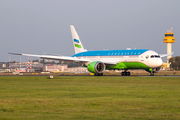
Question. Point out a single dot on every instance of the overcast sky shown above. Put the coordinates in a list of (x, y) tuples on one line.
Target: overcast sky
[(43, 25)]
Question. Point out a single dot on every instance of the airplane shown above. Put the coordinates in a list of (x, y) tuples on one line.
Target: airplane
[(97, 61)]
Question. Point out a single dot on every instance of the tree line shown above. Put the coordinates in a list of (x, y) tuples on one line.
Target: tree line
[(175, 63)]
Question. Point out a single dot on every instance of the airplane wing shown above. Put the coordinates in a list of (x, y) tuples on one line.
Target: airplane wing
[(53, 57), (164, 55), (65, 58), (52, 54)]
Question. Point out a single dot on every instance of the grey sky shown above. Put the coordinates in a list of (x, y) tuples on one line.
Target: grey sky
[(43, 25)]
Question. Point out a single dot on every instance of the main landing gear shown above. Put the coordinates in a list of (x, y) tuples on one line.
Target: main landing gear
[(125, 73), (98, 74), (151, 73)]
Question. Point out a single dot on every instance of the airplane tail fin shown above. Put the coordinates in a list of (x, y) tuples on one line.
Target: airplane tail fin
[(78, 47)]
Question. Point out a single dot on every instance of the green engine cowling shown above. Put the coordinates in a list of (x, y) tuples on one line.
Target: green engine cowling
[(96, 67)]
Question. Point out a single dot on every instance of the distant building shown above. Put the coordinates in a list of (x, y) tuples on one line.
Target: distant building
[(39, 67), (78, 70), (56, 68), (4, 66), (24, 66), (31, 67)]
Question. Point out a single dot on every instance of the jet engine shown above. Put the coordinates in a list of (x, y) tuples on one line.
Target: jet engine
[(96, 67)]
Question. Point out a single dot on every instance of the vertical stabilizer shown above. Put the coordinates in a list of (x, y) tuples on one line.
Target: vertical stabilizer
[(78, 47)]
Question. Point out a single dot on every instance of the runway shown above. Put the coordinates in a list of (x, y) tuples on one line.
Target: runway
[(94, 76)]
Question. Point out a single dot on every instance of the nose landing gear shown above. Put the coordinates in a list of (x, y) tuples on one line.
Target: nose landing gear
[(125, 73), (151, 73)]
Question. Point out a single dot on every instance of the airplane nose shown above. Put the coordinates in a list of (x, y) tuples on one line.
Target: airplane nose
[(159, 62)]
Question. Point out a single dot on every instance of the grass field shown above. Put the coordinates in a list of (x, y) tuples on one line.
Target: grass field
[(90, 97)]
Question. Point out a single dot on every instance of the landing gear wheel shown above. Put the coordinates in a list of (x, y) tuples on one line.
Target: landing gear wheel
[(122, 73), (125, 73), (128, 73), (151, 73), (98, 74)]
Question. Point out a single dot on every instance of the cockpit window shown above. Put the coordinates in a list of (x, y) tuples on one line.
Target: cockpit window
[(155, 56), (152, 56)]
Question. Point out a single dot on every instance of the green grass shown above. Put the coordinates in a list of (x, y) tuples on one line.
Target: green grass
[(90, 97)]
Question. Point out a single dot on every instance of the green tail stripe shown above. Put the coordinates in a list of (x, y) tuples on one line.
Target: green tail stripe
[(79, 46)]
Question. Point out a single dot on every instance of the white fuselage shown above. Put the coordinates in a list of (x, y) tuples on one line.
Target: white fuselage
[(149, 58)]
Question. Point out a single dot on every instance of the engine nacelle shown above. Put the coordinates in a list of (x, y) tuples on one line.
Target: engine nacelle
[(96, 67)]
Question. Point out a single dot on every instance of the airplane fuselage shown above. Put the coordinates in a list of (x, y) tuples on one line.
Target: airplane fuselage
[(125, 59)]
